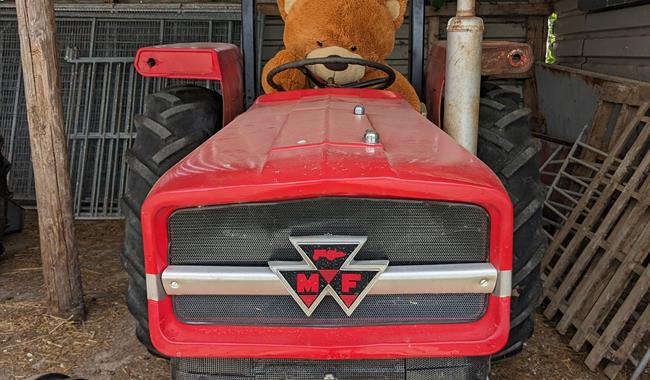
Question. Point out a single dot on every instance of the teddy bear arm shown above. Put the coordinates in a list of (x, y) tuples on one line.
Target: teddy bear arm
[(289, 80), (406, 90), (401, 86)]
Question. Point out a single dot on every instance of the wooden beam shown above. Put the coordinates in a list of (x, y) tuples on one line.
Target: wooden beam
[(536, 31), (47, 138), (270, 8), (448, 10), (434, 33), (499, 9)]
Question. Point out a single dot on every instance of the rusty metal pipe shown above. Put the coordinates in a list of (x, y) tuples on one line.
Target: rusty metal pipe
[(463, 75), (465, 8)]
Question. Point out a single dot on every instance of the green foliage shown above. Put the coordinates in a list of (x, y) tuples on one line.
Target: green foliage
[(437, 4), (550, 57)]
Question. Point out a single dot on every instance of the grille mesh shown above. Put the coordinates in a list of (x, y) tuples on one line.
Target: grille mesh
[(288, 369), (402, 231), (374, 310)]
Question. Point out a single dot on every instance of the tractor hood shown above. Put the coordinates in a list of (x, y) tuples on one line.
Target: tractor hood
[(296, 148), (314, 136)]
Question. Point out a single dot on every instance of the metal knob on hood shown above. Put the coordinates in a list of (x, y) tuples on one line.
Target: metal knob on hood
[(371, 137)]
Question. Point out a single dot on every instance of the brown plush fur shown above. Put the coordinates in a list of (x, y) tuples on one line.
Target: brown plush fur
[(365, 28)]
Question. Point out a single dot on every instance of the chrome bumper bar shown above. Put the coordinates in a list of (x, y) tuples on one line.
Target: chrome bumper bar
[(407, 279)]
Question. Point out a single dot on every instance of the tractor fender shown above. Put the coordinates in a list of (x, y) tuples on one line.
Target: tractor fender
[(199, 61)]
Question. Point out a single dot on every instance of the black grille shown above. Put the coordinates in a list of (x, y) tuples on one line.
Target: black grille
[(400, 309), (402, 231), (290, 369)]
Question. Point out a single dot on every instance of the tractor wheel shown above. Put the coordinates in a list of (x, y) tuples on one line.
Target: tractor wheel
[(175, 122), (506, 145)]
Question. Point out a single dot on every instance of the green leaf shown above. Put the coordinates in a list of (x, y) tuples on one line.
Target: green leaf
[(437, 4)]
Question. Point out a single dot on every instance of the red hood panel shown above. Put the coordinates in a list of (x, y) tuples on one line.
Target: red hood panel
[(308, 144), (314, 135)]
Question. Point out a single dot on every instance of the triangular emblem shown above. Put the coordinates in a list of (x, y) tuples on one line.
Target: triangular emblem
[(328, 268)]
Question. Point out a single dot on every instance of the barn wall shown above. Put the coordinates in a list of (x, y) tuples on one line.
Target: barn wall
[(521, 21), (274, 29), (614, 41), (106, 34), (512, 28)]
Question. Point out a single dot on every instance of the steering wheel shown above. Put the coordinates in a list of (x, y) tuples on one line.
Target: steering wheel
[(334, 63)]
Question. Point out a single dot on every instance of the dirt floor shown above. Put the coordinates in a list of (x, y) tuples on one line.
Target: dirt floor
[(104, 346)]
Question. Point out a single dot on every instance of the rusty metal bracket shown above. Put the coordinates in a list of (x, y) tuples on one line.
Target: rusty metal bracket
[(500, 59), (505, 58)]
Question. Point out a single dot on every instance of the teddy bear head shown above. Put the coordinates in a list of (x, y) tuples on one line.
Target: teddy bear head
[(362, 29)]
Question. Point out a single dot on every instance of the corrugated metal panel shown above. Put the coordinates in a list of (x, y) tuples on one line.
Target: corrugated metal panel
[(615, 41)]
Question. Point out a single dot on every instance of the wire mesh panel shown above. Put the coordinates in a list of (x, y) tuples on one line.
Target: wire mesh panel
[(13, 117), (101, 91)]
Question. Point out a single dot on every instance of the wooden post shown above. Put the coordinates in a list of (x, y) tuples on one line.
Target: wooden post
[(49, 157), (536, 37), (434, 34)]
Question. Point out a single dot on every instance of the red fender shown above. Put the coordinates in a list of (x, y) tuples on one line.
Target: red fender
[(200, 61)]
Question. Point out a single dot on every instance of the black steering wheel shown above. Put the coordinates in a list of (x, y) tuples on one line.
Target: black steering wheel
[(334, 63)]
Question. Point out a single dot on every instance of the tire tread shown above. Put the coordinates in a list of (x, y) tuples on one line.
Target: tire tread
[(163, 139), (507, 146)]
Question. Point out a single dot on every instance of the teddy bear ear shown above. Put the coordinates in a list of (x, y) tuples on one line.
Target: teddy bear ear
[(397, 10), (285, 7)]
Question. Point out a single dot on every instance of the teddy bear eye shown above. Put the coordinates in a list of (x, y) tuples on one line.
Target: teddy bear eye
[(319, 43), (353, 48)]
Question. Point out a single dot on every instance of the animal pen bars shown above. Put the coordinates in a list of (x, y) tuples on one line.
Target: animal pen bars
[(101, 91)]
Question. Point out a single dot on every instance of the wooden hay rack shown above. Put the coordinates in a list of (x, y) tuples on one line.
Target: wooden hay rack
[(597, 268)]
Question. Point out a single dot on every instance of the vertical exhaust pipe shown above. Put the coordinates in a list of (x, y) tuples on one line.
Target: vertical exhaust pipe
[(463, 75)]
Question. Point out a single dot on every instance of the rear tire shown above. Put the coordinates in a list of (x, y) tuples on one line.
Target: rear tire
[(175, 122), (507, 146)]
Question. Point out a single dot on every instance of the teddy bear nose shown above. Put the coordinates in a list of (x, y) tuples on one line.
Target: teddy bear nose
[(336, 66)]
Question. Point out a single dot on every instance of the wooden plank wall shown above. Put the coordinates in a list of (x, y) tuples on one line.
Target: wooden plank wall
[(614, 42), (521, 21), (513, 27), (274, 29)]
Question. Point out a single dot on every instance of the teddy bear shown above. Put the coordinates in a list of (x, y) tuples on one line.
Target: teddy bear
[(352, 29)]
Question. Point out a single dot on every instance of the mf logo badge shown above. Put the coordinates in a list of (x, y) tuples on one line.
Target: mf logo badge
[(328, 267)]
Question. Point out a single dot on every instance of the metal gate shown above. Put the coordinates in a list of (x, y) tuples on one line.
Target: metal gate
[(101, 90), (103, 96)]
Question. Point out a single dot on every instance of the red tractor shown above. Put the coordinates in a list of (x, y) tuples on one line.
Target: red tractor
[(334, 233)]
